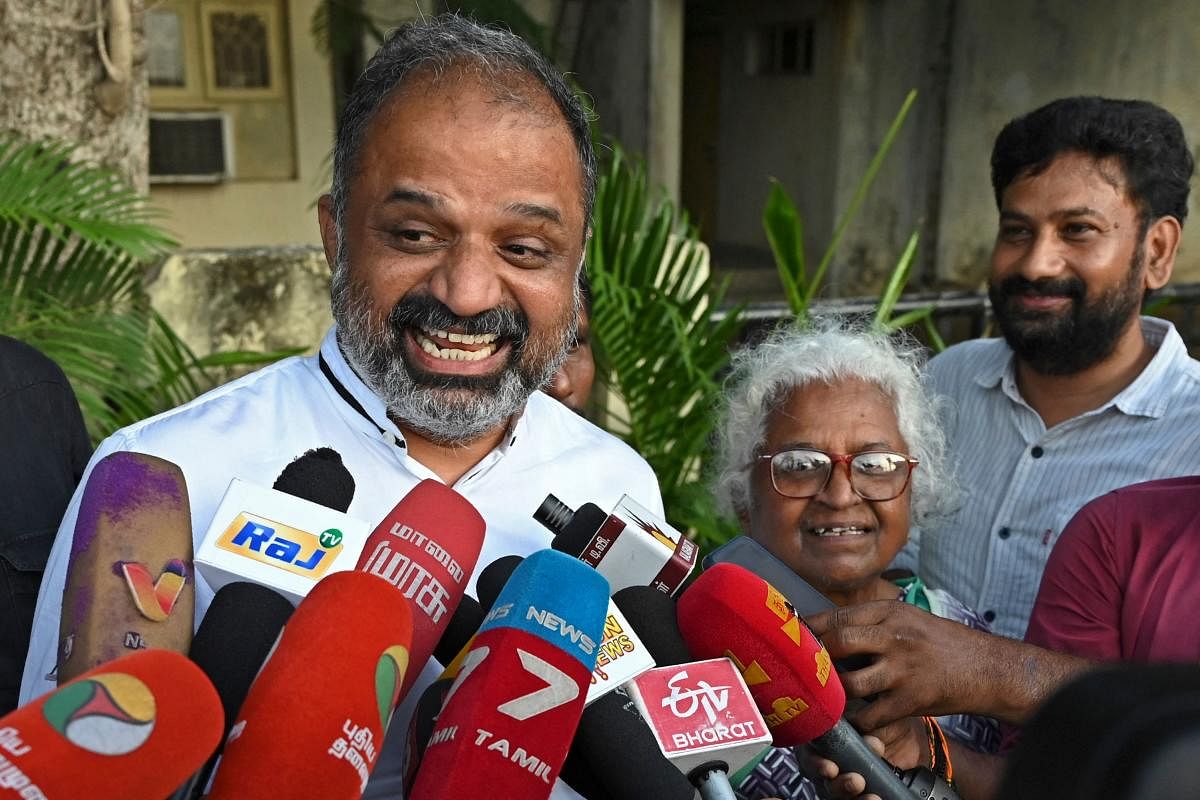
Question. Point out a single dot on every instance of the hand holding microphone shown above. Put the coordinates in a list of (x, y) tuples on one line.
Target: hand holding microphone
[(732, 612)]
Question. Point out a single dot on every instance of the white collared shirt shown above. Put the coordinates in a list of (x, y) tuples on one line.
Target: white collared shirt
[(253, 427), (1022, 483)]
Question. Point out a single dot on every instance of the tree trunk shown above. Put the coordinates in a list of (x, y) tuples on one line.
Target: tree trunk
[(54, 83)]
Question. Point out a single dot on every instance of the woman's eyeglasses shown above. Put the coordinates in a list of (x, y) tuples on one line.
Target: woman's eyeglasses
[(801, 473)]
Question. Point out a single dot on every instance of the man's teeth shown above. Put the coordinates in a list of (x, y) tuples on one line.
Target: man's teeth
[(465, 338), (838, 531), (453, 353)]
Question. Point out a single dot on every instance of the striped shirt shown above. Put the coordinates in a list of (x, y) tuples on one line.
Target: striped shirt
[(1022, 483)]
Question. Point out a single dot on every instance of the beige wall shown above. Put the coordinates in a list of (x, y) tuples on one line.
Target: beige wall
[(255, 213), (976, 65), (1012, 57)]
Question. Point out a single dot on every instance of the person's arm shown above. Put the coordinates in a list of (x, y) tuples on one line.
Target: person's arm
[(925, 665)]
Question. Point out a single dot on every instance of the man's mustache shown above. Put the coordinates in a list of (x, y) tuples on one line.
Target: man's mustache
[(1043, 287), (426, 311)]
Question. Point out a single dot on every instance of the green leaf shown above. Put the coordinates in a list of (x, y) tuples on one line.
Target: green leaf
[(657, 347), (896, 282), (860, 193), (785, 234)]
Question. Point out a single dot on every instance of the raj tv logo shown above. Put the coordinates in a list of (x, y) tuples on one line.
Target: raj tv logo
[(282, 546)]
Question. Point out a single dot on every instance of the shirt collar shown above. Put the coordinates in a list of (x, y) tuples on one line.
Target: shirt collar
[(1141, 398), (1144, 397)]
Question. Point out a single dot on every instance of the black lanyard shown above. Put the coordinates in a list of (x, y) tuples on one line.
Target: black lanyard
[(345, 393)]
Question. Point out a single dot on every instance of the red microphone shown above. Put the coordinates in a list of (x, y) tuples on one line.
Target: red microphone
[(135, 727), (313, 721), (730, 611), (426, 547), (511, 712)]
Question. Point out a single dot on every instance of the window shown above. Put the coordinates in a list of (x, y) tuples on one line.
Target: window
[(220, 60), (782, 48), (241, 50)]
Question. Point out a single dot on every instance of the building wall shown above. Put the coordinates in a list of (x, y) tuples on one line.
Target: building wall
[(276, 211), (975, 65), (1012, 57)]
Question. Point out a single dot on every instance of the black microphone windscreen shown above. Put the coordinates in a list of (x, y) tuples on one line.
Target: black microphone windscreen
[(611, 737), (462, 626), (320, 477), (1097, 715), (578, 533), (492, 579), (652, 615), (235, 637)]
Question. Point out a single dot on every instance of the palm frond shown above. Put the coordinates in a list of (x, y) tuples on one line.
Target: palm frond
[(656, 344), (74, 243)]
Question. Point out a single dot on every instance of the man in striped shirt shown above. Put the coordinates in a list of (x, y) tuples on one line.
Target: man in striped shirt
[(1080, 397)]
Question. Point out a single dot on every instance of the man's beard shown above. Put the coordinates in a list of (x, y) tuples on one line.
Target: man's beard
[(1057, 343), (446, 409)]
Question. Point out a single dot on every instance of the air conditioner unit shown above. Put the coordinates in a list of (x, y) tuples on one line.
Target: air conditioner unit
[(190, 147)]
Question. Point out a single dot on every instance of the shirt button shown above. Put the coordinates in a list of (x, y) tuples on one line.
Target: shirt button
[(989, 616), (1004, 533), (1036, 452)]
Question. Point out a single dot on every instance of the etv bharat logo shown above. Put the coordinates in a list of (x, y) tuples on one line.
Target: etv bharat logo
[(291, 549), (111, 713), (713, 699), (389, 674)]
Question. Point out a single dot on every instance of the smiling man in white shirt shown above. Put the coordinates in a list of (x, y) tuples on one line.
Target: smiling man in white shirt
[(463, 181)]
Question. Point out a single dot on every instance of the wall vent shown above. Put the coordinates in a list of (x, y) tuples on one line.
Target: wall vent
[(190, 147)]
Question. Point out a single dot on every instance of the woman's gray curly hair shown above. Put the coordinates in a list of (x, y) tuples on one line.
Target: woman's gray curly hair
[(830, 350)]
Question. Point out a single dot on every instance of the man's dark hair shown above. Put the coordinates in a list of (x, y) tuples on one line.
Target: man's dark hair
[(1146, 140), (435, 46)]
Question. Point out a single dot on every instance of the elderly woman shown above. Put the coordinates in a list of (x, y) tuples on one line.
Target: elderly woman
[(828, 451)]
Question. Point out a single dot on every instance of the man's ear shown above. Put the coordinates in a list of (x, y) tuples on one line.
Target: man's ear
[(329, 231), (1160, 246)]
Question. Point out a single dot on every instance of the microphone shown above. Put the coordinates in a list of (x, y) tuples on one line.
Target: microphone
[(285, 538), (134, 727), (629, 547), (621, 656), (510, 714), (463, 623), (426, 547), (129, 582), (234, 639), (451, 648), (612, 734), (729, 611), (704, 721), (319, 476), (314, 719), (746, 552)]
